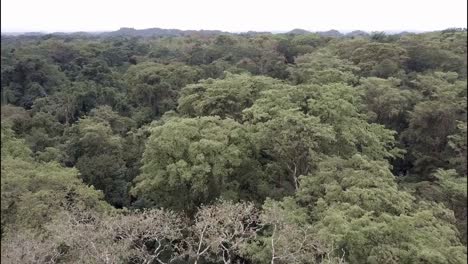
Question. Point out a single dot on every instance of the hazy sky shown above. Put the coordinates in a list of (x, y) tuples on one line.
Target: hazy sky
[(232, 15)]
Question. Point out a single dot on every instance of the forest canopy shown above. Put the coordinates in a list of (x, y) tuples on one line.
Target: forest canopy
[(234, 148)]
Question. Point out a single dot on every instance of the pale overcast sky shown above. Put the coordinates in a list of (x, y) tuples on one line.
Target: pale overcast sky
[(233, 15)]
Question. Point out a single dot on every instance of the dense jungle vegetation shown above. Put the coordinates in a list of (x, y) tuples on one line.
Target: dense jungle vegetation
[(234, 148)]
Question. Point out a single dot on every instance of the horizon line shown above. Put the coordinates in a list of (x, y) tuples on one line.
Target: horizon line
[(229, 31)]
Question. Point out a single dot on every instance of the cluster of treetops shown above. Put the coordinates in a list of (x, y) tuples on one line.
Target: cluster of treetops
[(285, 148)]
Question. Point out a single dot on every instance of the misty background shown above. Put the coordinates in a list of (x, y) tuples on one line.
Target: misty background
[(232, 16)]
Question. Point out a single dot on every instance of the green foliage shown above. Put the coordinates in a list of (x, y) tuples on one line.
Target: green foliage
[(357, 206), (13, 147), (336, 105), (436, 52), (416, 238), (356, 181), (448, 188), (433, 120), (157, 86), (91, 140), (379, 59), (294, 143), (119, 124), (287, 236), (33, 193), (225, 98), (29, 78), (192, 161), (458, 144), (18, 118), (387, 102), (323, 67)]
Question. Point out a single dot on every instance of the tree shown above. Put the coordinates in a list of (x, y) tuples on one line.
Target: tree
[(306, 43), (145, 236), (436, 51), (192, 161), (287, 237), (387, 102), (150, 235), (225, 98), (323, 67), (33, 193), (17, 117), (448, 188), (336, 105), (28, 248), (222, 231), (119, 124), (458, 144), (379, 59), (29, 78), (157, 86), (90, 140), (294, 142), (262, 58), (432, 121), (356, 205)]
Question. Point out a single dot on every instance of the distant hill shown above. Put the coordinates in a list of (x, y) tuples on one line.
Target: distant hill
[(298, 31), (255, 33), (23, 33), (160, 32), (330, 33)]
